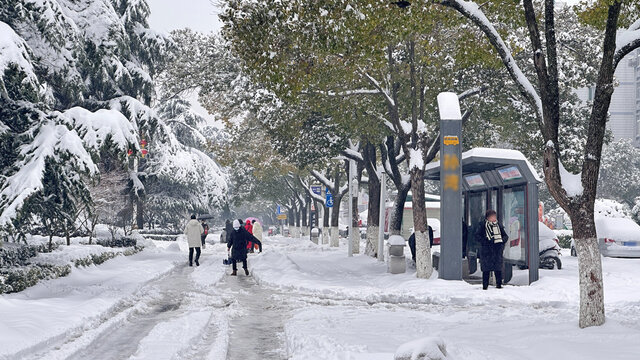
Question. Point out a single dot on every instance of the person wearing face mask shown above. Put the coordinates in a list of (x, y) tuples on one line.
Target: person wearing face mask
[(492, 236), (237, 246)]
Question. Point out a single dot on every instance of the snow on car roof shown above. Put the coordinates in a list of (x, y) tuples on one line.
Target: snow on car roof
[(617, 229)]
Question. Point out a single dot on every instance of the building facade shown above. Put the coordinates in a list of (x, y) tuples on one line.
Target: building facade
[(624, 121)]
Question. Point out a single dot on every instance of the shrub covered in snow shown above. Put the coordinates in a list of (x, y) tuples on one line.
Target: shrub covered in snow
[(118, 242), (635, 212), (18, 279), (97, 259), (12, 255), (603, 207)]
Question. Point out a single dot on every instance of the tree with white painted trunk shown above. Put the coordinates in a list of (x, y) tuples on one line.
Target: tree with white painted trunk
[(575, 193), (339, 190)]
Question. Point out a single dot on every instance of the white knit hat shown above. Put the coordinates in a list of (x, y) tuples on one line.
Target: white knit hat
[(236, 224)]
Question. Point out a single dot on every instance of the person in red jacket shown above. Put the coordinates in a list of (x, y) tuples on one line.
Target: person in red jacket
[(249, 227)]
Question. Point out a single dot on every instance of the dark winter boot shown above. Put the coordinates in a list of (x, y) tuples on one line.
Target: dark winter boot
[(197, 263), (190, 264), (246, 272), (498, 279), (485, 279), (234, 273)]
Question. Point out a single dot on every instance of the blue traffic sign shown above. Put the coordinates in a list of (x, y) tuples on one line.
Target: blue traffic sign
[(329, 200), (316, 189)]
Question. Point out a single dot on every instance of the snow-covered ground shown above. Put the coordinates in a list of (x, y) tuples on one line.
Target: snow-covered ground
[(145, 297), (361, 312), (305, 301)]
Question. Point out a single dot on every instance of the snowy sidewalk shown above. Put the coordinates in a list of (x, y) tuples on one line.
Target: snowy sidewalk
[(355, 310), (125, 307)]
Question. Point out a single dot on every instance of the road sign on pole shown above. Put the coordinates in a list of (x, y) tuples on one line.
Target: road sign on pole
[(329, 200), (316, 189)]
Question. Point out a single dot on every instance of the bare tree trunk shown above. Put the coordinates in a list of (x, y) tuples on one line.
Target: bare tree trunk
[(304, 210), (373, 209), (139, 213), (395, 225), (355, 234), (326, 225), (589, 270), (355, 240), (424, 267)]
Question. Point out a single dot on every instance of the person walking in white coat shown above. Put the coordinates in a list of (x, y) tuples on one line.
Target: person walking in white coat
[(257, 230), (194, 231)]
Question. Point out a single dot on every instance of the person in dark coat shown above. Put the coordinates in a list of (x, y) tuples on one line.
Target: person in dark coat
[(491, 235), (412, 242), (238, 240), (228, 229)]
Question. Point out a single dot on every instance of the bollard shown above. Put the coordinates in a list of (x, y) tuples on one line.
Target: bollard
[(396, 261), (315, 233)]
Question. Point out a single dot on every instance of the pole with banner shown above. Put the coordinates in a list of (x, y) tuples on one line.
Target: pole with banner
[(450, 263)]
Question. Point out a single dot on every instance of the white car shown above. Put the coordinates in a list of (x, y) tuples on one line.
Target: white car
[(617, 237)]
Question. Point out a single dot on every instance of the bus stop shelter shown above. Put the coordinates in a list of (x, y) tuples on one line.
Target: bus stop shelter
[(505, 181)]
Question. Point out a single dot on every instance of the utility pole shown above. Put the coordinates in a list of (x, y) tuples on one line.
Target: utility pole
[(383, 201), (352, 167)]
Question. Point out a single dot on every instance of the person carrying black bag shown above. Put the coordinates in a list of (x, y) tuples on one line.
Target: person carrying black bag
[(238, 240)]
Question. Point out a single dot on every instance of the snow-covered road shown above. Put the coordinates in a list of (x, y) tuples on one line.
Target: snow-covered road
[(304, 301), (257, 328)]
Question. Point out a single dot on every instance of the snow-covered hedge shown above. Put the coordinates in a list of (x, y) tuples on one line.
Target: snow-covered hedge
[(97, 259), (20, 278), (564, 239), (158, 231), (22, 266), (19, 254), (119, 242)]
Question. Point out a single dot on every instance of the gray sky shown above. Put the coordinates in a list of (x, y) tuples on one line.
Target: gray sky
[(199, 15)]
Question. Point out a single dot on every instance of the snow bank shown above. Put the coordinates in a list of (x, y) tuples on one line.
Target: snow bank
[(62, 307), (429, 348), (375, 332)]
